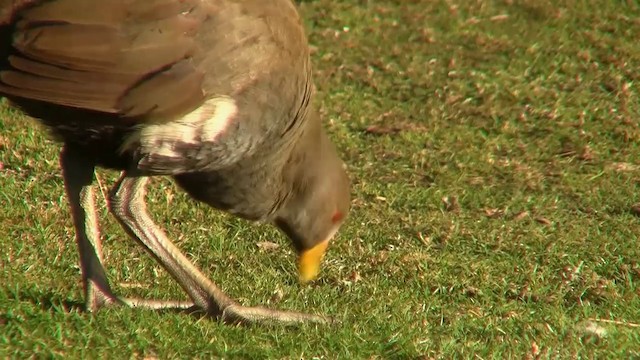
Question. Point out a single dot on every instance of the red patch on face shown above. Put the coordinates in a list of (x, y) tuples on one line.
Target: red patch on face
[(337, 217)]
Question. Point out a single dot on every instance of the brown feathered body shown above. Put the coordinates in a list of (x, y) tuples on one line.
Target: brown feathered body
[(216, 93)]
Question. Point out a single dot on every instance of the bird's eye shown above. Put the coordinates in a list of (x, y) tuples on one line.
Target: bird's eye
[(337, 216)]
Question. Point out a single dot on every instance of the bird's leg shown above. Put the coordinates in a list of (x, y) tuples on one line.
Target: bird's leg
[(129, 207), (78, 172)]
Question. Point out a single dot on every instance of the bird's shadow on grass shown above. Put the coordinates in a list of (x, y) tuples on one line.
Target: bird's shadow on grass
[(49, 301), (46, 300)]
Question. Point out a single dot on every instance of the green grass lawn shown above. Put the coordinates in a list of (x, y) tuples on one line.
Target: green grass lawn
[(494, 148)]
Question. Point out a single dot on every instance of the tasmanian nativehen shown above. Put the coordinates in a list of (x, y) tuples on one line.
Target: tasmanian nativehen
[(217, 94)]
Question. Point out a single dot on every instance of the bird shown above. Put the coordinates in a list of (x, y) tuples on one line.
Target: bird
[(216, 94)]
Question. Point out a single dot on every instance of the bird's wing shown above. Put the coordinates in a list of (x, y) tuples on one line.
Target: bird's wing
[(125, 57), (208, 81)]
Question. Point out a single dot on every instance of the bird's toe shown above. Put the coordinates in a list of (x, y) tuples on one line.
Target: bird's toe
[(244, 315)]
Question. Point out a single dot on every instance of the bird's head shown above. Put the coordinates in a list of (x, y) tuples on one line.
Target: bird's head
[(318, 203)]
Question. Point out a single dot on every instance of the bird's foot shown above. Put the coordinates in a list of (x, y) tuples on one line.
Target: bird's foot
[(245, 315), (97, 296)]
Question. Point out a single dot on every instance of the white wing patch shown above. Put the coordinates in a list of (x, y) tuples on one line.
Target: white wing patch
[(204, 124), (225, 110)]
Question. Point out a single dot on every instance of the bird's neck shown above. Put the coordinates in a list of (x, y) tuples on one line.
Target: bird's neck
[(258, 187)]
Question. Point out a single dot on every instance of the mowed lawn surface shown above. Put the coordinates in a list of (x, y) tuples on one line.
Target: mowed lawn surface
[(494, 148)]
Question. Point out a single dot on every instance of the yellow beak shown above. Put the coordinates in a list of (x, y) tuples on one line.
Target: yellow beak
[(309, 262)]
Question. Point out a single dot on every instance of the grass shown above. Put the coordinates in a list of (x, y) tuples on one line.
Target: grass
[(494, 148)]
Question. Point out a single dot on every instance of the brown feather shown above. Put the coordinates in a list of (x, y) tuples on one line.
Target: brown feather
[(102, 12), (115, 56), (61, 73), (66, 93), (80, 47), (9, 8), (168, 93)]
